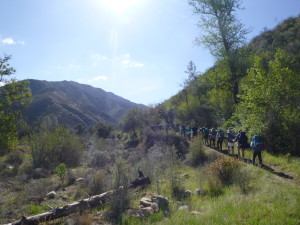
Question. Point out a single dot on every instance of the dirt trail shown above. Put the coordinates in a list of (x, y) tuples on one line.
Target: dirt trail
[(286, 177)]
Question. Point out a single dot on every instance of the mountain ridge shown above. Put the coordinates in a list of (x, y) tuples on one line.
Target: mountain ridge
[(71, 103)]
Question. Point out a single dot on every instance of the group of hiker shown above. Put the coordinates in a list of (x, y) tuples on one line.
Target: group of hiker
[(214, 138)]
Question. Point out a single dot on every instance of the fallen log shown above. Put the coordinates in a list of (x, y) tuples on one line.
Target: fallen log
[(66, 210)]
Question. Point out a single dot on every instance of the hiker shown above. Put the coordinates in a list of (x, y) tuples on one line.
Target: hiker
[(167, 128), (242, 140), (205, 135), (195, 131), (212, 137), (230, 138), (257, 145), (220, 138), (182, 130), (189, 132)]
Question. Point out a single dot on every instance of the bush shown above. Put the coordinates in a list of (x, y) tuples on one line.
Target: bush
[(49, 148), (225, 169), (197, 152), (99, 159), (97, 185)]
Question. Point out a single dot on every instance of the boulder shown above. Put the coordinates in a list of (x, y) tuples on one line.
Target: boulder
[(155, 207), (184, 207), (51, 195), (147, 211), (79, 180), (187, 193), (197, 192), (146, 202), (161, 200)]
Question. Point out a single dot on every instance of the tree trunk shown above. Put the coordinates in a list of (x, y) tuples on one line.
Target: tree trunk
[(66, 210)]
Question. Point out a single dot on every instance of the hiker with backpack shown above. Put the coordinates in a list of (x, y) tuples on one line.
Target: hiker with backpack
[(242, 140), (258, 146), (220, 138), (212, 137), (230, 138), (205, 133)]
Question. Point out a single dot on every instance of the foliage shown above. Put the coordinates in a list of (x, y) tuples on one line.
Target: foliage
[(103, 130), (197, 152), (270, 101), (14, 97), (224, 169), (50, 148), (120, 199), (61, 171)]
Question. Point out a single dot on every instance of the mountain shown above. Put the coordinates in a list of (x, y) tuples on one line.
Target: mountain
[(71, 103)]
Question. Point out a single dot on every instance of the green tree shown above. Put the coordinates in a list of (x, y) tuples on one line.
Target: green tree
[(61, 171), (271, 99), (223, 33), (14, 97)]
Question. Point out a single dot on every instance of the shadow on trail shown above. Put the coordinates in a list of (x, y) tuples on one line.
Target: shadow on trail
[(249, 161)]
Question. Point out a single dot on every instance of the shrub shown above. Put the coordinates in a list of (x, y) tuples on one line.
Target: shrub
[(99, 159), (97, 185), (242, 178), (49, 148), (197, 152), (61, 171), (120, 199), (224, 169)]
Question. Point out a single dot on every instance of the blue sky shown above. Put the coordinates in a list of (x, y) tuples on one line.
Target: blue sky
[(137, 49)]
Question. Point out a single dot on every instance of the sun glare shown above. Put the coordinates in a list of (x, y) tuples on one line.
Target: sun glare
[(120, 5)]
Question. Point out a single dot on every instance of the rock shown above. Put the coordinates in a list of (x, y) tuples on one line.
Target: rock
[(155, 207), (51, 195), (197, 192), (195, 213), (147, 211), (184, 207), (79, 180), (161, 200), (146, 202), (185, 176), (135, 213), (187, 193)]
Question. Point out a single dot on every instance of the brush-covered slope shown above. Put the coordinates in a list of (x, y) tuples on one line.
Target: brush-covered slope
[(70, 103)]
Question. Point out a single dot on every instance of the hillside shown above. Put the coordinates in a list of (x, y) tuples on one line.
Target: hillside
[(71, 103)]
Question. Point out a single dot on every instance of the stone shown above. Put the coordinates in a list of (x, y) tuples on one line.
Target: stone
[(184, 207), (186, 175), (195, 213), (79, 180), (187, 193), (51, 195), (147, 211), (161, 200), (146, 202), (197, 192), (155, 207)]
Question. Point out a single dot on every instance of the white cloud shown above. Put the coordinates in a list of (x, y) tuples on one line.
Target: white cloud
[(126, 62), (97, 58), (99, 78), (10, 41)]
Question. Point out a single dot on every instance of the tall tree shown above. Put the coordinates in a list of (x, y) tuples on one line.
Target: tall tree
[(223, 33), (14, 96)]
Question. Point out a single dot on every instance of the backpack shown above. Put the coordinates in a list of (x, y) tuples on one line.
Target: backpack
[(257, 143), (243, 140), (220, 134)]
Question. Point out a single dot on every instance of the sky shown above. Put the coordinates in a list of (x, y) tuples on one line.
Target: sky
[(137, 49)]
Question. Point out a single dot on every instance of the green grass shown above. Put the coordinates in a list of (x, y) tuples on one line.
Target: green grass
[(270, 201)]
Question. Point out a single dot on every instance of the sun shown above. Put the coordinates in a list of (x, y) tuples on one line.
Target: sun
[(120, 6)]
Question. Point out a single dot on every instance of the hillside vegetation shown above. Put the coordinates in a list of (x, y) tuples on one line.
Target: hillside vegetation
[(76, 146)]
